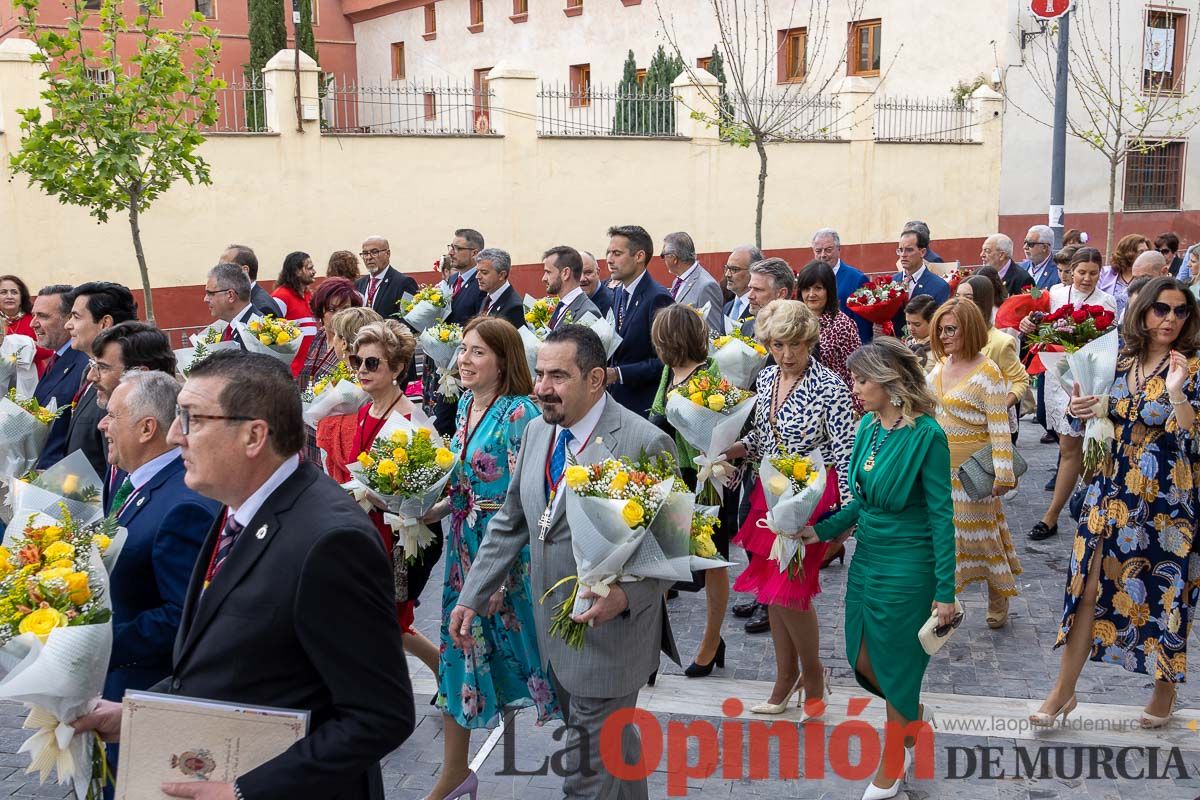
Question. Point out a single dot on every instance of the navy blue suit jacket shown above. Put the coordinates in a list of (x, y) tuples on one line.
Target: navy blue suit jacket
[(641, 371), (849, 279), (60, 383), (603, 298), (1049, 276), (930, 284), (167, 523)]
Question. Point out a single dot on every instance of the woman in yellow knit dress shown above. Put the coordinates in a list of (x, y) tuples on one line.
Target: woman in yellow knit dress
[(1001, 347), (972, 410)]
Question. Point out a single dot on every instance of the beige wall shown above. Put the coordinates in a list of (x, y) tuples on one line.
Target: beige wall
[(289, 191)]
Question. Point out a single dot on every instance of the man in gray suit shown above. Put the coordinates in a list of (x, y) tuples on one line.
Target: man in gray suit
[(693, 285), (770, 279), (629, 626), (562, 268)]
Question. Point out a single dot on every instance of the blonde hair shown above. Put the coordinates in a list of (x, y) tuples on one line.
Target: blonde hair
[(971, 327), (394, 338), (787, 321), (888, 362), (346, 323)]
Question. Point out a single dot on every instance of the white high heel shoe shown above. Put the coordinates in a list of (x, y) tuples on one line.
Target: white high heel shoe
[(778, 708), (820, 712), (874, 792)]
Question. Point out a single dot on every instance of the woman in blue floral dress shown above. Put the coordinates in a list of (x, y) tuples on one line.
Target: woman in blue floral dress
[(504, 669), (1134, 576)]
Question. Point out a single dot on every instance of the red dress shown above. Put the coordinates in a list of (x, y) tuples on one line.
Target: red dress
[(23, 326), (298, 310), (366, 429)]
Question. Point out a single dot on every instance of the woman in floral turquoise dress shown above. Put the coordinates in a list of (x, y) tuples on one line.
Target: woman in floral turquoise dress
[(504, 669)]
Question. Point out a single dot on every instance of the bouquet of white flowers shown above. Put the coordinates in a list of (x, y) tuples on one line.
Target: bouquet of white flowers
[(429, 305), (792, 487), (24, 428)]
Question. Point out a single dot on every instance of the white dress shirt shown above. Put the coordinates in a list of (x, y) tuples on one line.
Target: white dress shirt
[(581, 433), (494, 296), (142, 475), (245, 513)]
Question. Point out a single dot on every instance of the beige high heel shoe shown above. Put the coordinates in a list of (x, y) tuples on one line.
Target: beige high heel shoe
[(778, 708), (1040, 719), (997, 615), (1151, 721)]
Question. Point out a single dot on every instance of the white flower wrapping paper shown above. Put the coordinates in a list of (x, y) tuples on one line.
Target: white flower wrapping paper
[(788, 512), (59, 681), (22, 438), (442, 353), (185, 357), (283, 352), (710, 432), (218, 326), (1094, 368), (74, 475), (532, 344), (424, 313), (739, 362), (17, 354), (605, 328), (346, 397)]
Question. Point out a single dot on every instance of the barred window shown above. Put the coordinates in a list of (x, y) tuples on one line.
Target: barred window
[(1154, 176)]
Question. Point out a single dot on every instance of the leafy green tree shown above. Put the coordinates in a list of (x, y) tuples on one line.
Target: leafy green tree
[(268, 35), (660, 103), (304, 31), (119, 132), (625, 120)]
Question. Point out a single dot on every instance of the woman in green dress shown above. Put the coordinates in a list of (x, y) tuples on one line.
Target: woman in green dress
[(903, 565)]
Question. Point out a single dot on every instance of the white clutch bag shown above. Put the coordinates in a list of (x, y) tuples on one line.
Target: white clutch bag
[(932, 636)]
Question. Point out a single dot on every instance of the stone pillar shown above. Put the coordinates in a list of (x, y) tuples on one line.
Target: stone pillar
[(279, 81), (513, 103), (857, 108), (20, 87), (696, 90)]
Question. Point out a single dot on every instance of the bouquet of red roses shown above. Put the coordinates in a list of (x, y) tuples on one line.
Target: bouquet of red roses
[(1020, 306), (879, 302), (1066, 330), (956, 276)]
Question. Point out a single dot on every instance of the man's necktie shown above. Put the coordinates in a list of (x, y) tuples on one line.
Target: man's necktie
[(487, 305), (558, 460), (557, 315), (50, 362), (622, 296), (121, 496), (229, 536), (675, 287), (458, 282), (81, 391), (372, 288)]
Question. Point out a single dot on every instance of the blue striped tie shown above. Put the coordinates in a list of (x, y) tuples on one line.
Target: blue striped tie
[(229, 536)]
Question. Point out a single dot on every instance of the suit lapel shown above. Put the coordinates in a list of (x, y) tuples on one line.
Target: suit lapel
[(598, 447), (147, 491)]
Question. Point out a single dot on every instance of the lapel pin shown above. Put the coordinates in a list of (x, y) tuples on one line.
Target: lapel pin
[(261, 533), (141, 500)]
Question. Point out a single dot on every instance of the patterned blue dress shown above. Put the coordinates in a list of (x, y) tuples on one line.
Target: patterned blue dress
[(504, 668)]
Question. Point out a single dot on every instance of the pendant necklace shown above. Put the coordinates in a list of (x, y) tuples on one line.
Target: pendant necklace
[(869, 464)]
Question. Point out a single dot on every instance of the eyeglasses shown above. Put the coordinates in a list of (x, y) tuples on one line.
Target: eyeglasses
[(948, 330), (211, 292), (98, 366), (356, 363), (185, 418), (734, 268), (1029, 243), (459, 248), (1162, 309), (373, 253), (943, 630), (1166, 251)]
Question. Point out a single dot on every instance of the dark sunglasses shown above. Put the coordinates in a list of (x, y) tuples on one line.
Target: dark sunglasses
[(1164, 250), (944, 630), (356, 363), (1033, 244), (1162, 309)]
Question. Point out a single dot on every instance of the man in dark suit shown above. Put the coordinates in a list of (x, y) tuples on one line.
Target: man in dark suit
[(291, 603), (737, 281), (997, 253), (227, 295), (465, 300), (562, 267), (914, 276), (827, 248), (95, 307), (1039, 257), (592, 285), (65, 370), (500, 299), (245, 258), (634, 370), (384, 286)]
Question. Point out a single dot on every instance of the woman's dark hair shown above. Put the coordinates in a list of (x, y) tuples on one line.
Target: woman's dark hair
[(679, 336), (1134, 326), (26, 300), (260, 387), (1064, 256), (289, 275), (983, 296), (999, 290), (342, 264), (922, 304), (334, 292), (818, 272), (501, 338), (1087, 255), (1072, 237)]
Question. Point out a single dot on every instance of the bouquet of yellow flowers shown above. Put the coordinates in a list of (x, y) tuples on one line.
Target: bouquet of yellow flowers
[(704, 524), (538, 313), (440, 341), (427, 306), (336, 393), (792, 487), (402, 474), (738, 357), (709, 412), (24, 428), (56, 640), (271, 335)]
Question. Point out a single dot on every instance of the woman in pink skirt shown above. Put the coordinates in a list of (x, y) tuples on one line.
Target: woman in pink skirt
[(802, 407)]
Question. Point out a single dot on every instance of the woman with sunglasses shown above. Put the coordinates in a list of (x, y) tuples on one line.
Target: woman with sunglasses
[(380, 357), (1083, 290), (1131, 589), (903, 566)]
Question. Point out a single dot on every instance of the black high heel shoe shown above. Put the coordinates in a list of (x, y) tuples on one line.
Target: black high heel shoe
[(704, 670), (834, 553)]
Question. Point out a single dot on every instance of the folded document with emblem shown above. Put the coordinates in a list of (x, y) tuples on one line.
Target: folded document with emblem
[(165, 738)]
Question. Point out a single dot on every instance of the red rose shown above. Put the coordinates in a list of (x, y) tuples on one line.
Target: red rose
[(1080, 315), (1104, 319)]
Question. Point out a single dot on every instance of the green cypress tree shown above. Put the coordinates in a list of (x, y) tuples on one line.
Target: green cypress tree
[(268, 35), (304, 31), (716, 68), (625, 120), (660, 75)]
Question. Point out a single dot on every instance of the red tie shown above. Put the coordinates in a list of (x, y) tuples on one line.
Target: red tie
[(372, 287), (83, 387), (458, 282), (51, 361), (227, 335)]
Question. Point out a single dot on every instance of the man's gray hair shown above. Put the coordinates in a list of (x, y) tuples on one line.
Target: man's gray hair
[(755, 254), (831, 233), (231, 276), (500, 259), (681, 245), (917, 225), (778, 271), (1002, 243), (152, 394), (1044, 233)]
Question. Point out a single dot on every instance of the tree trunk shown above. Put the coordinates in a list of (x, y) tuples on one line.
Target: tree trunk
[(1113, 163), (136, 232), (762, 189)]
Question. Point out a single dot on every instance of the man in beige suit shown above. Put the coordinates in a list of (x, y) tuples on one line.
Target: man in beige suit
[(629, 627)]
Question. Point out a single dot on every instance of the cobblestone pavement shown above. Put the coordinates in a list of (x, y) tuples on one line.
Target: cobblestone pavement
[(1016, 663)]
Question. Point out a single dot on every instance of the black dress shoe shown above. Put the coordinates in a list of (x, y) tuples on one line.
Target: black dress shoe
[(1049, 437), (672, 594), (1049, 487), (704, 670), (760, 622), (745, 609), (1042, 531)]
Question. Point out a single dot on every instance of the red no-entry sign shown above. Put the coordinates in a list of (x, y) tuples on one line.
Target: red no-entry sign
[(1049, 9)]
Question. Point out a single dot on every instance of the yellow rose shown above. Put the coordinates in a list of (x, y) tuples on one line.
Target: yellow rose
[(705, 547), (5, 563), (444, 458), (77, 588), (401, 455), (365, 460), (619, 482), (102, 541), (633, 513), (42, 621), (58, 550), (530, 317), (716, 402), (444, 336), (388, 468), (720, 342), (282, 338), (266, 339), (800, 470), (437, 298), (424, 433), (62, 563), (399, 438), (53, 573), (778, 484), (697, 398), (51, 533), (576, 476), (255, 326), (70, 484)]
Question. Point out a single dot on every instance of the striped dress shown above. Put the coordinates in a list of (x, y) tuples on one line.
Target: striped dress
[(972, 413)]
